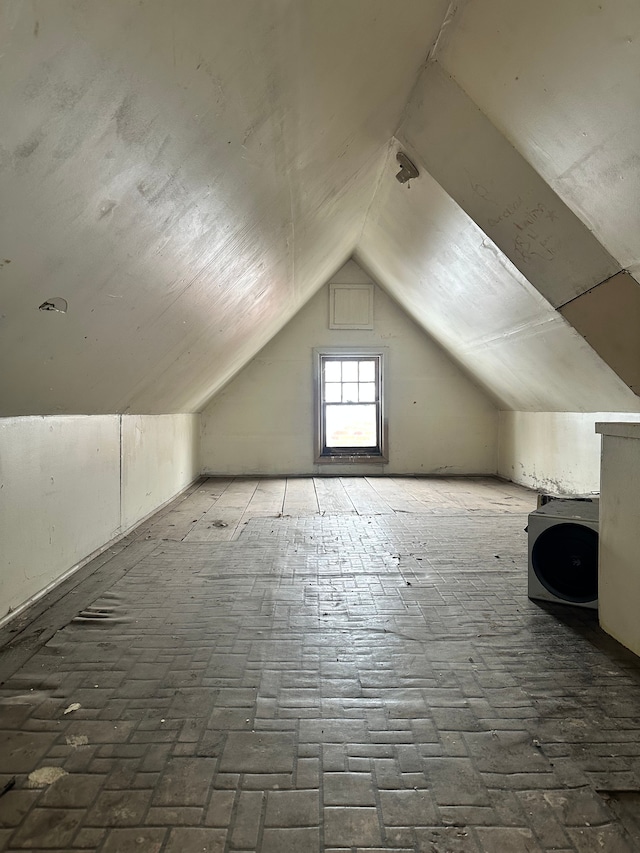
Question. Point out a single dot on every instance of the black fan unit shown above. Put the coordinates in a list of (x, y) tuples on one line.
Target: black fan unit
[(563, 552)]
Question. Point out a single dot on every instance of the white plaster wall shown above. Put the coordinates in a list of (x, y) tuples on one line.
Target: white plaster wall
[(619, 569), (263, 421), (557, 452), (66, 489), (59, 498), (159, 458)]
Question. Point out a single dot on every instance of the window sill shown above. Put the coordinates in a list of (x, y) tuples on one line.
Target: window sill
[(350, 459)]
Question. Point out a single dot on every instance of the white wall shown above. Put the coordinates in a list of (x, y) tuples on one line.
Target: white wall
[(619, 571), (70, 484), (262, 422), (159, 458), (557, 452)]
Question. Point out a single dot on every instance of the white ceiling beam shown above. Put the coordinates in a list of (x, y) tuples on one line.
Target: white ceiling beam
[(500, 191)]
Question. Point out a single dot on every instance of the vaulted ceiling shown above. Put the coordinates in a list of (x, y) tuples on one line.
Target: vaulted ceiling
[(186, 174)]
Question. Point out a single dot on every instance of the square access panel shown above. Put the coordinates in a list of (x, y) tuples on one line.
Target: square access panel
[(351, 306)]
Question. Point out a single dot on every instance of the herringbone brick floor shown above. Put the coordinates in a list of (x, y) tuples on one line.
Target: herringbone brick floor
[(321, 683)]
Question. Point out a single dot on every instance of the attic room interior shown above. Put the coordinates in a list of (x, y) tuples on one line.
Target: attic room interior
[(318, 318)]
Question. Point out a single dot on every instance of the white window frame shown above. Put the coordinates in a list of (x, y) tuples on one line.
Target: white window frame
[(351, 455)]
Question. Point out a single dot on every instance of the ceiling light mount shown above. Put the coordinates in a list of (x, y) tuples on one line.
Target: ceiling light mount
[(407, 168)]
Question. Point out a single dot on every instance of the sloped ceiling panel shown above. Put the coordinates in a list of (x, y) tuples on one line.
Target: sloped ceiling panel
[(185, 174), (457, 284), (562, 82), (501, 192), (523, 216), (608, 317)]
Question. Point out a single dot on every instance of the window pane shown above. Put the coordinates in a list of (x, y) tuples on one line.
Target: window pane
[(349, 371), (332, 371), (350, 392), (333, 392), (351, 426), (367, 392), (367, 371)]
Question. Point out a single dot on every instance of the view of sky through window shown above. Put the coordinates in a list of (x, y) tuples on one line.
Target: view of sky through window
[(350, 396)]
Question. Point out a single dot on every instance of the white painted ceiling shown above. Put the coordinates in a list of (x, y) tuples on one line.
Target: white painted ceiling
[(187, 173), (561, 80)]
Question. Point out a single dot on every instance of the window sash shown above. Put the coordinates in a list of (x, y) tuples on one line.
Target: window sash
[(362, 375)]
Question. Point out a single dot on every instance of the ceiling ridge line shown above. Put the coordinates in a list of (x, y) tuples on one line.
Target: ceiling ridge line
[(445, 28), (381, 170), (430, 57)]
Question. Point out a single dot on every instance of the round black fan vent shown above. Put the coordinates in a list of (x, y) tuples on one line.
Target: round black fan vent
[(565, 560)]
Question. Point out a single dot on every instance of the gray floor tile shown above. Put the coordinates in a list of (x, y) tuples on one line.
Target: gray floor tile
[(320, 683)]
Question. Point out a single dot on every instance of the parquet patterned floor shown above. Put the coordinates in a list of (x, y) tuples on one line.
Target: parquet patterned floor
[(337, 682)]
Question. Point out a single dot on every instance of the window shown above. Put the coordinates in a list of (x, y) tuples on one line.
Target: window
[(350, 417)]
